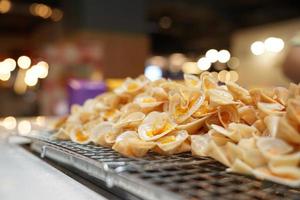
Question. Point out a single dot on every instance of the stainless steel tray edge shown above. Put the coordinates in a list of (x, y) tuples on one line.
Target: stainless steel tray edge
[(102, 172)]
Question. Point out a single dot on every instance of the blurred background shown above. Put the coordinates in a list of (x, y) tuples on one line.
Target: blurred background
[(55, 53)]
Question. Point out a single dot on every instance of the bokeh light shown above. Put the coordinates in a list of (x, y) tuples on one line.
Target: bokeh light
[(223, 56), (41, 121), (158, 61), (176, 61), (224, 76), (4, 72), (24, 127), (4, 69), (190, 68), (233, 63), (153, 72), (9, 123), (234, 76), (5, 77), (165, 22), (273, 44), (203, 64), (257, 48), (5, 6), (214, 74), (212, 55), (24, 62), (31, 78), (57, 15), (10, 64), (40, 10), (41, 69)]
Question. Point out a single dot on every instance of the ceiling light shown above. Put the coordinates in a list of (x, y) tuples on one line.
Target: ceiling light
[(24, 62), (10, 64), (212, 55), (153, 72), (223, 56), (203, 64), (257, 48), (9, 123), (274, 44), (24, 127)]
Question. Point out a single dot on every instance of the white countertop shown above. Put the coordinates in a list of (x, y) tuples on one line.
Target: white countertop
[(26, 177)]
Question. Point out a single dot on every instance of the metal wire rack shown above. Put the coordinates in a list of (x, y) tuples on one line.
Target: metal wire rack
[(161, 177)]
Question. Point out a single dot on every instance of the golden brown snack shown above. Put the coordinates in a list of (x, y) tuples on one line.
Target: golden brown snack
[(254, 132)]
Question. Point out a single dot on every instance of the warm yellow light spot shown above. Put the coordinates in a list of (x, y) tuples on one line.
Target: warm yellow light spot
[(40, 70), (5, 6), (4, 69), (224, 76), (274, 44), (30, 78), (32, 8), (212, 55), (40, 10), (5, 77), (257, 48), (81, 137), (234, 76), (24, 127), (24, 62), (9, 123), (167, 139), (10, 64)]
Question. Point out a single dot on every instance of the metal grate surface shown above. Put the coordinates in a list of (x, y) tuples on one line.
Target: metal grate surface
[(163, 177)]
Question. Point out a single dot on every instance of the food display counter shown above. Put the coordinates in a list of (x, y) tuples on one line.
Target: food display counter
[(119, 101), (35, 167)]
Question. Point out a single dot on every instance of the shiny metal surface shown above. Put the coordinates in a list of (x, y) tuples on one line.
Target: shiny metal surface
[(161, 177)]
